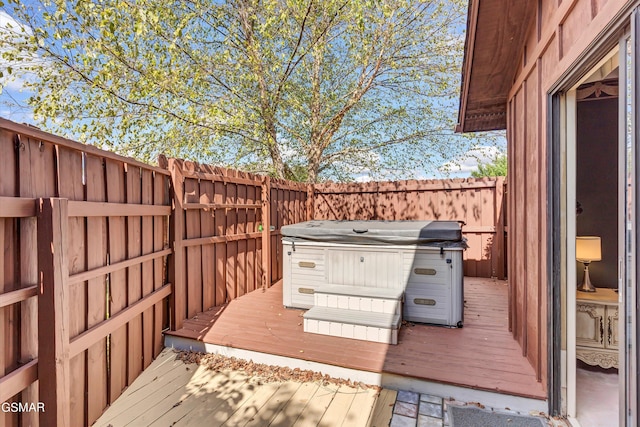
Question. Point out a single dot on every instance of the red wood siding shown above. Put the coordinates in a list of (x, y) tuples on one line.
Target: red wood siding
[(562, 33)]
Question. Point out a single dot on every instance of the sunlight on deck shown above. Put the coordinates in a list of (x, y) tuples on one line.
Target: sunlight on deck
[(171, 392)]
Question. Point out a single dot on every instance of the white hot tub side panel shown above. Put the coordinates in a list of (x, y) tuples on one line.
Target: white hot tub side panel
[(431, 278), (434, 287), (367, 267), (303, 272)]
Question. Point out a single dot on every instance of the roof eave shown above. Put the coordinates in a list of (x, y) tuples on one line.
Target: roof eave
[(483, 103)]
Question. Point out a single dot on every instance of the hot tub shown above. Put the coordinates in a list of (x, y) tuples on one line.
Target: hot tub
[(421, 258)]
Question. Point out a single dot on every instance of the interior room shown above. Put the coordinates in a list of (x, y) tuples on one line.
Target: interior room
[(597, 227)]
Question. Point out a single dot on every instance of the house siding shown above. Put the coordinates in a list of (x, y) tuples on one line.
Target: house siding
[(558, 39)]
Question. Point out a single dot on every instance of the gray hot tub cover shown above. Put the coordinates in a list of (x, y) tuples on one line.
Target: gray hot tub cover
[(447, 234)]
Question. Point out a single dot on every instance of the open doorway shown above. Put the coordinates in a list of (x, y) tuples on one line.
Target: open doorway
[(595, 124), (596, 225)]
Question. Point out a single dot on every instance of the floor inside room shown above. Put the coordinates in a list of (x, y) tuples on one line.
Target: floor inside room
[(597, 396)]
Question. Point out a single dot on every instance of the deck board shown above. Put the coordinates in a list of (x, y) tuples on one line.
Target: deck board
[(172, 392), (267, 413), (382, 408), (481, 355)]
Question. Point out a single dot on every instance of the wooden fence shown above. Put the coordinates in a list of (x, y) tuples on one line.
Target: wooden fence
[(225, 233), (101, 253), (478, 203), (82, 275)]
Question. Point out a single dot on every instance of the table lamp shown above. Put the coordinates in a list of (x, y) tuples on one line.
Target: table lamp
[(588, 249)]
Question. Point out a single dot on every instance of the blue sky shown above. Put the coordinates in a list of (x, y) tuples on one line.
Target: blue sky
[(13, 106), (13, 94)]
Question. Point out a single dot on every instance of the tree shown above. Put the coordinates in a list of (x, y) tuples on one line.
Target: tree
[(498, 167), (301, 89)]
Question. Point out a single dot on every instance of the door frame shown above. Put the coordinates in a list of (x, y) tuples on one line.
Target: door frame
[(561, 232)]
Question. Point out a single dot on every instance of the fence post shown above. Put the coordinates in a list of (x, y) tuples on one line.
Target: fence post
[(53, 313), (266, 232), (176, 266), (498, 256)]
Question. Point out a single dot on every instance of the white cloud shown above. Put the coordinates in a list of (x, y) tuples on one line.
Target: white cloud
[(13, 93), (390, 175), (470, 160), (17, 114), (363, 178), (5, 19)]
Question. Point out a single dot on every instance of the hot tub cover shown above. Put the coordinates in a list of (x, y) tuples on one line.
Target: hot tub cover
[(431, 233)]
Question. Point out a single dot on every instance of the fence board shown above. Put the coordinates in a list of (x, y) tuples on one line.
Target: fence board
[(499, 256), (8, 234), (13, 297), (11, 207), (232, 247), (275, 219), (91, 209), (177, 272), (220, 222), (116, 191), (160, 224), (251, 243), (147, 267), (241, 218), (477, 202), (265, 251), (194, 253), (19, 379), (97, 290), (70, 186), (31, 186), (117, 321), (117, 266), (207, 229), (134, 274), (53, 314)]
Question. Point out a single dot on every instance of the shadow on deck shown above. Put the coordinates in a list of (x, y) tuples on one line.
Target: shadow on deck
[(172, 392), (480, 356)]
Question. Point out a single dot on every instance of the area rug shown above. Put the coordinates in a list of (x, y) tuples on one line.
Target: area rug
[(471, 416)]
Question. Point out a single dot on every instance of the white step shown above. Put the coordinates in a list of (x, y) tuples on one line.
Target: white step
[(360, 325), (360, 298)]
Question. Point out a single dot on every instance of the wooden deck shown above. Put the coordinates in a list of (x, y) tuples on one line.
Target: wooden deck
[(173, 393), (482, 355)]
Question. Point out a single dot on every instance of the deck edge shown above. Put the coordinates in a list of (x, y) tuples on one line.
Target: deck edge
[(181, 343), (491, 399), (384, 379)]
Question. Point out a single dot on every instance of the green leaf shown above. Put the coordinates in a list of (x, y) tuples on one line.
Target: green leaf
[(306, 90)]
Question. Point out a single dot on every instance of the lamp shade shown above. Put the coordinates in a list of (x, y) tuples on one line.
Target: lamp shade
[(588, 248)]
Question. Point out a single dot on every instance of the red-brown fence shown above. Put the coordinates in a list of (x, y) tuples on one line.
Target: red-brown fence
[(222, 221), (102, 252), (82, 275), (477, 202), (289, 205)]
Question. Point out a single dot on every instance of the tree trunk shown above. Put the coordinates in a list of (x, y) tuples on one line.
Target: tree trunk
[(279, 167), (313, 162)]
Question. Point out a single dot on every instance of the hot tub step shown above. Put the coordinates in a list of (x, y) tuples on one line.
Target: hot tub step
[(359, 298), (356, 324)]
